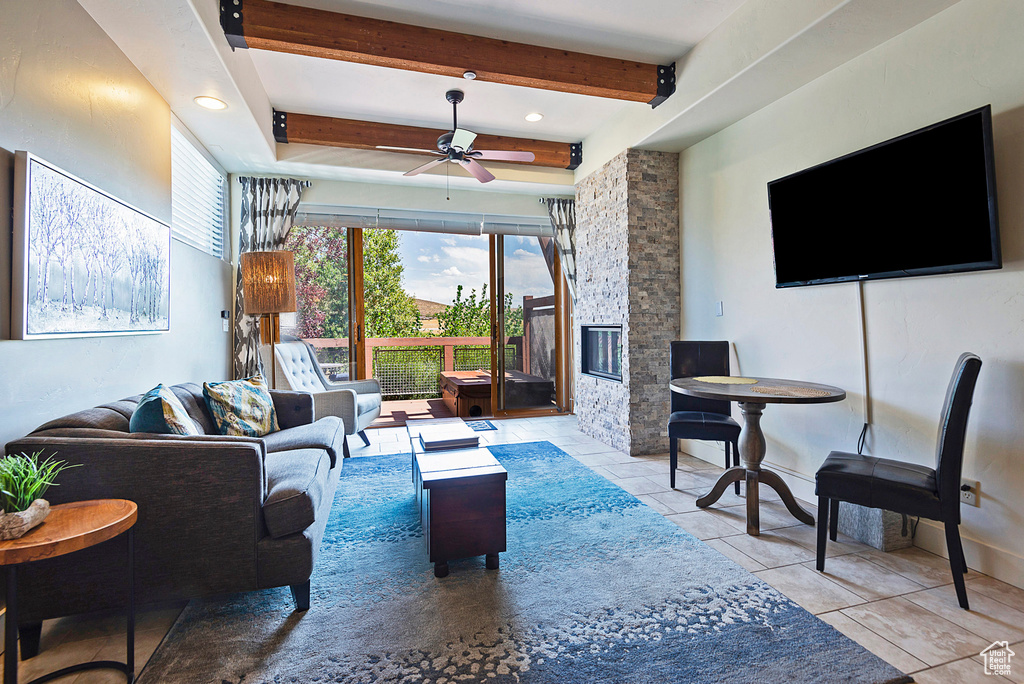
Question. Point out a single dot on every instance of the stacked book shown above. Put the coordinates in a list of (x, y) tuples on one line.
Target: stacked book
[(441, 434)]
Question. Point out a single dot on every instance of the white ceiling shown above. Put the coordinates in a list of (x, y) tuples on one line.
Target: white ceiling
[(326, 87), (732, 57), (641, 30)]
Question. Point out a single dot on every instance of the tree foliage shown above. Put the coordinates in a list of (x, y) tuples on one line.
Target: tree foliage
[(321, 280), (389, 310), (471, 317)]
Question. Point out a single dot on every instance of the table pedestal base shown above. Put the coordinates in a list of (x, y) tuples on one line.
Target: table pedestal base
[(753, 479), (752, 449)]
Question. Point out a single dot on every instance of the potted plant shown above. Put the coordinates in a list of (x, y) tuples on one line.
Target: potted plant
[(23, 481)]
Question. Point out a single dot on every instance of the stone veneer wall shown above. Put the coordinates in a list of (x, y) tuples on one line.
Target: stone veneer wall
[(627, 253)]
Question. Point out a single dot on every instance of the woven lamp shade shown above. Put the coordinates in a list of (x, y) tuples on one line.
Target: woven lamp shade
[(268, 282)]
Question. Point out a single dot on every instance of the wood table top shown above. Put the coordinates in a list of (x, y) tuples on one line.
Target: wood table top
[(71, 527), (760, 391)]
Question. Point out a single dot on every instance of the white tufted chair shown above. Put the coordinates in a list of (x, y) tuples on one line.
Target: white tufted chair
[(356, 402)]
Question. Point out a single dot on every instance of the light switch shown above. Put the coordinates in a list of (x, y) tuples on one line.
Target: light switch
[(718, 308), (224, 323)]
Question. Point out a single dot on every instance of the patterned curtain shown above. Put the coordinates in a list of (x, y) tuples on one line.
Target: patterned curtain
[(268, 210), (563, 219)]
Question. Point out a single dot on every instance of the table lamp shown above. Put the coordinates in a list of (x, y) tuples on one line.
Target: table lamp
[(268, 290)]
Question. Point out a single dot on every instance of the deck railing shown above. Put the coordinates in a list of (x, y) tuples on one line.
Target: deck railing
[(410, 367)]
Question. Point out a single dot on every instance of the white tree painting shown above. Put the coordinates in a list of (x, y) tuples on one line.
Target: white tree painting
[(95, 265)]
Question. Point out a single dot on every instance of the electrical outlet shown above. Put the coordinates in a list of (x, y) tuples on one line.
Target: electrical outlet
[(969, 491)]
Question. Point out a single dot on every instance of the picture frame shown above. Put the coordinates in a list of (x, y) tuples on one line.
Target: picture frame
[(85, 263)]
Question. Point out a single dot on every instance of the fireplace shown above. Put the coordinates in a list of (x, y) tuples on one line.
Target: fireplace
[(601, 351)]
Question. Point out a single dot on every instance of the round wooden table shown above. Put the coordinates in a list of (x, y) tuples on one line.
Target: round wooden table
[(68, 528), (753, 394)]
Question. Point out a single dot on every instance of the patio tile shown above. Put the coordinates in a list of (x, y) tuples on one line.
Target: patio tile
[(807, 536), (770, 549), (702, 525), (597, 459), (988, 618), (887, 651), (918, 631), (809, 589), (679, 502), (924, 567), (864, 578), (636, 469), (639, 485), (993, 588), (966, 671), (735, 555), (658, 506)]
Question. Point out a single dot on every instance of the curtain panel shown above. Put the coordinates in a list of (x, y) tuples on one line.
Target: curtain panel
[(268, 210), (562, 213)]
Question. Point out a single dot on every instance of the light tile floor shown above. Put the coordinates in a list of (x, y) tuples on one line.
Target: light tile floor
[(900, 605)]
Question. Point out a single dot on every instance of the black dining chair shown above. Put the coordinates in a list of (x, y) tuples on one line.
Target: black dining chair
[(906, 487), (694, 418)]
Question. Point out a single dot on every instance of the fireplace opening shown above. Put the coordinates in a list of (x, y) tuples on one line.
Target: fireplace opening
[(601, 351)]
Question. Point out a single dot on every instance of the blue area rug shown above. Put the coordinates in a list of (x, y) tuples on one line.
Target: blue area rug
[(594, 587)]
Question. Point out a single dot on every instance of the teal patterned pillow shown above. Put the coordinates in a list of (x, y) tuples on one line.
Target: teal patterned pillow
[(241, 407), (160, 411)]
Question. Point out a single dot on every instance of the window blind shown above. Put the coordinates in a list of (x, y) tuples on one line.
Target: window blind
[(198, 191)]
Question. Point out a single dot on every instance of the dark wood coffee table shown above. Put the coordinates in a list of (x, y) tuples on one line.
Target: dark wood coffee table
[(461, 496)]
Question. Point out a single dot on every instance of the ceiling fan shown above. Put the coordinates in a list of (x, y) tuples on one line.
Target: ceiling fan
[(457, 146)]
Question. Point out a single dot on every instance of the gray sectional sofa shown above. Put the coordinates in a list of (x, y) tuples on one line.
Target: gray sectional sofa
[(216, 514)]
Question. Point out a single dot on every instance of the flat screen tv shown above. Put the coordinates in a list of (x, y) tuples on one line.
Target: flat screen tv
[(920, 204)]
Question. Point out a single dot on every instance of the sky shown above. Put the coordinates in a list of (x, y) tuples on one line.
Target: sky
[(437, 263)]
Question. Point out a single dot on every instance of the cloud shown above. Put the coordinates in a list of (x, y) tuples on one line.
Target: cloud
[(467, 255), (429, 259), (453, 271), (448, 241), (522, 253)]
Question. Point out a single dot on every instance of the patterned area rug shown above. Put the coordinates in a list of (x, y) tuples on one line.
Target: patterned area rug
[(594, 587)]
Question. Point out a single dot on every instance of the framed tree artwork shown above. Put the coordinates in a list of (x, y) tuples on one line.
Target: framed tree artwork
[(84, 262)]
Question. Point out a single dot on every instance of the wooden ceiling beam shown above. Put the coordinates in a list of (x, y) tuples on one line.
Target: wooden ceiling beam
[(267, 25), (370, 135)]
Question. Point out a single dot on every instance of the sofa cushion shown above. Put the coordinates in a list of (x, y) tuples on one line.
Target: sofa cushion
[(366, 403), (241, 407), (296, 483), (161, 412), (328, 433), (191, 396)]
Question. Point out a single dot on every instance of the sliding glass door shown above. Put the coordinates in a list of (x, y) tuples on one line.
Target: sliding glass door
[(527, 324), (323, 287)]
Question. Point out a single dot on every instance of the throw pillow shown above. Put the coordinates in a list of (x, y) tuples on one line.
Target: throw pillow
[(241, 407), (160, 411)]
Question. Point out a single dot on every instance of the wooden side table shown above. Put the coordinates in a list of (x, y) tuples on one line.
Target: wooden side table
[(68, 528)]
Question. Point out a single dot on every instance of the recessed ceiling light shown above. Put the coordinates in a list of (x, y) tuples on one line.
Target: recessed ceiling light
[(208, 102), (469, 75), (534, 116)]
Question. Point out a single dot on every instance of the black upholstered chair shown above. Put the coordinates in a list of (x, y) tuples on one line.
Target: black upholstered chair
[(694, 418), (905, 487)]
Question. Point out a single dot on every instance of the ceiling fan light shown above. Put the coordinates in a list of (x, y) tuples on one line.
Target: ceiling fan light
[(207, 102), (534, 116)]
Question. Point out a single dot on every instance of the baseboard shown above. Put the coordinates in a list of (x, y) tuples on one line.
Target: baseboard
[(984, 558)]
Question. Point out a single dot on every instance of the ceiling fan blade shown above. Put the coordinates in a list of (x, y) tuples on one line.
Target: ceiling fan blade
[(429, 165), (479, 172), (495, 155), (462, 139), (407, 149)]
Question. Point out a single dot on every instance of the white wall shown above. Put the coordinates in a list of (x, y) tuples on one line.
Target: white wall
[(68, 95), (965, 57)]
